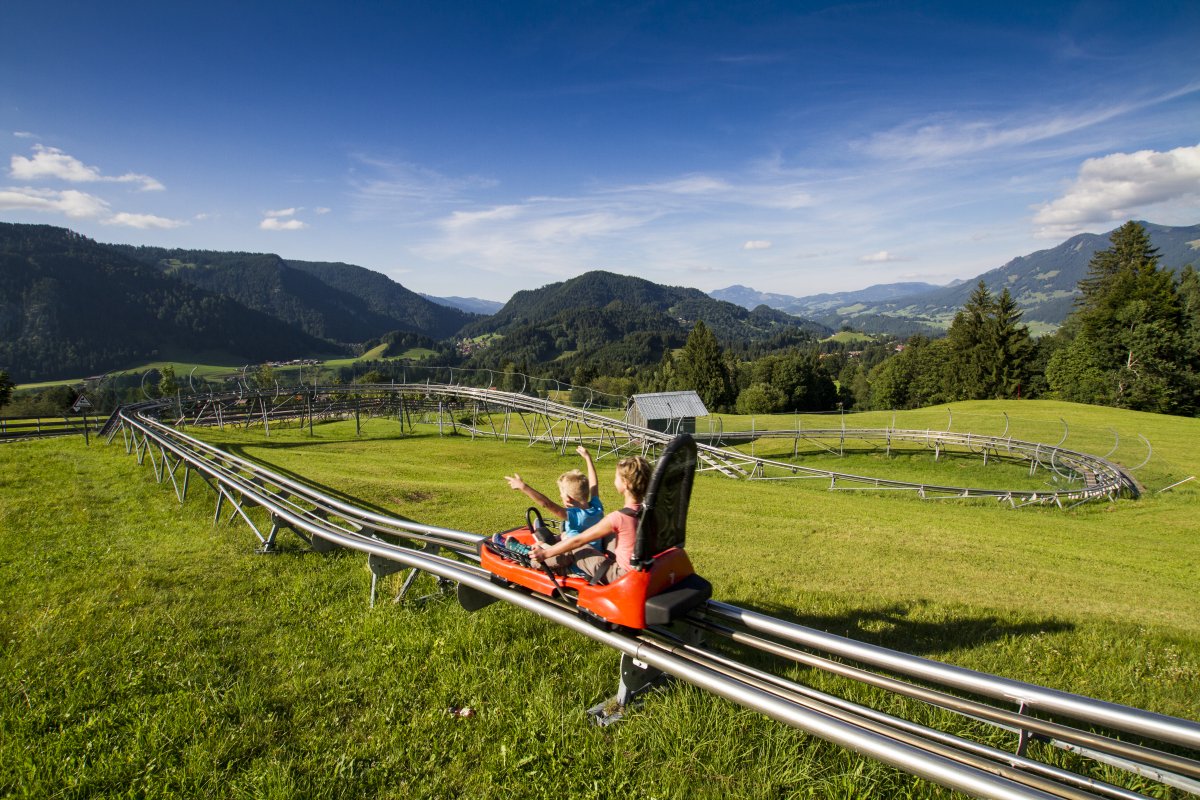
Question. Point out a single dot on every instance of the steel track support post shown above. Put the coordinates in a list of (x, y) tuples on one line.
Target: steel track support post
[(637, 679), (566, 435), (381, 568), (171, 469), (268, 547)]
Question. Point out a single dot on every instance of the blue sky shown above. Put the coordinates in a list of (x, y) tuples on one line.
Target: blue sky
[(481, 148)]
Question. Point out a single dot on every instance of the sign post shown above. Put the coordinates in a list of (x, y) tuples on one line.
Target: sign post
[(83, 404)]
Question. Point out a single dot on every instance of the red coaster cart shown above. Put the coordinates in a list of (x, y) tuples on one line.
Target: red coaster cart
[(662, 586)]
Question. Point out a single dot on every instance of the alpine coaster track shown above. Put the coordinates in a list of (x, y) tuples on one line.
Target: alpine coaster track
[(1153, 746)]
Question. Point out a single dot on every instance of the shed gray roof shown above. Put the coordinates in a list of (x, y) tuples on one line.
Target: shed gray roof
[(669, 405)]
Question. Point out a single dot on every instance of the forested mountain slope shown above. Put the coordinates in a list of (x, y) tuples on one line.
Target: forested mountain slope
[(339, 302), (71, 306), (682, 306)]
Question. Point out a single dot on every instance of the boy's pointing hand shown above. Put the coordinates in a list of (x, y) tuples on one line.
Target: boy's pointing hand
[(515, 482)]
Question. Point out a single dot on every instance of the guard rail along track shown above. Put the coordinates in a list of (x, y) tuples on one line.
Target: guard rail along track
[(1108, 736), (506, 415)]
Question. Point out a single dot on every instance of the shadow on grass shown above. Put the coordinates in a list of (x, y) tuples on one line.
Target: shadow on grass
[(891, 627)]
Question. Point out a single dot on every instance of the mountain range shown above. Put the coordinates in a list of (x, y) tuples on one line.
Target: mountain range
[(71, 306), (472, 305), (1044, 284)]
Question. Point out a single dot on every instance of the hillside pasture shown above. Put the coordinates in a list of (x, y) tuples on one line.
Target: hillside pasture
[(150, 653)]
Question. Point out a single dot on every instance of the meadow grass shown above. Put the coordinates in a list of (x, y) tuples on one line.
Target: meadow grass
[(149, 653), (850, 337)]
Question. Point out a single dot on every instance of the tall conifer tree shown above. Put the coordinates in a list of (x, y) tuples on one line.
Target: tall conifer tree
[(1127, 340), (701, 366), (1008, 349)]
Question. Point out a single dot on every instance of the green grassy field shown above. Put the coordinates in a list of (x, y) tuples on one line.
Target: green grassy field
[(850, 337), (149, 653), (380, 353), (182, 370), (218, 372)]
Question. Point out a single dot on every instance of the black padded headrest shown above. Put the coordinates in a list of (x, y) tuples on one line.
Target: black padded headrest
[(665, 507)]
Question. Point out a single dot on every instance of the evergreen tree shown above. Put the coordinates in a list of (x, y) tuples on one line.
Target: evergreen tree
[(1127, 342), (6, 388), (701, 366), (1189, 301), (1130, 245), (970, 359), (1008, 350)]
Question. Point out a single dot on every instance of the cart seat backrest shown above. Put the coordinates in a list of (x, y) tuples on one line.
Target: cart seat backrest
[(663, 523)]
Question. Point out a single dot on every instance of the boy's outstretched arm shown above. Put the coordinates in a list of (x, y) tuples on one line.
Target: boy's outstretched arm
[(515, 482), (593, 482)]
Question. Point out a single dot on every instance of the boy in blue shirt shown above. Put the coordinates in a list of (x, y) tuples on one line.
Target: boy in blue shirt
[(581, 507)]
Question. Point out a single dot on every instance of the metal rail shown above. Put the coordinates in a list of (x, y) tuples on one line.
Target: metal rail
[(945, 758), (489, 413)]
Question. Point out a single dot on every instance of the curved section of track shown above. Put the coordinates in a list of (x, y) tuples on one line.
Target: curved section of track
[(505, 415), (1151, 745)]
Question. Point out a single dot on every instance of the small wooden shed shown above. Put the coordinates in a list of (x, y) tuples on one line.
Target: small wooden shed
[(669, 412)]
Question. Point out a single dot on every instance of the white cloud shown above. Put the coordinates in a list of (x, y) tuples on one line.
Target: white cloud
[(24, 135), (282, 219), (50, 162), (465, 219), (143, 221), (1119, 186), (691, 184), (277, 224), (757, 244), (945, 138), (322, 210), (882, 257), (78, 205), (400, 189), (786, 195), (72, 203)]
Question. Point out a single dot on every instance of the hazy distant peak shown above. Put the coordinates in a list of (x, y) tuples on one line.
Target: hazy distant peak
[(472, 305)]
